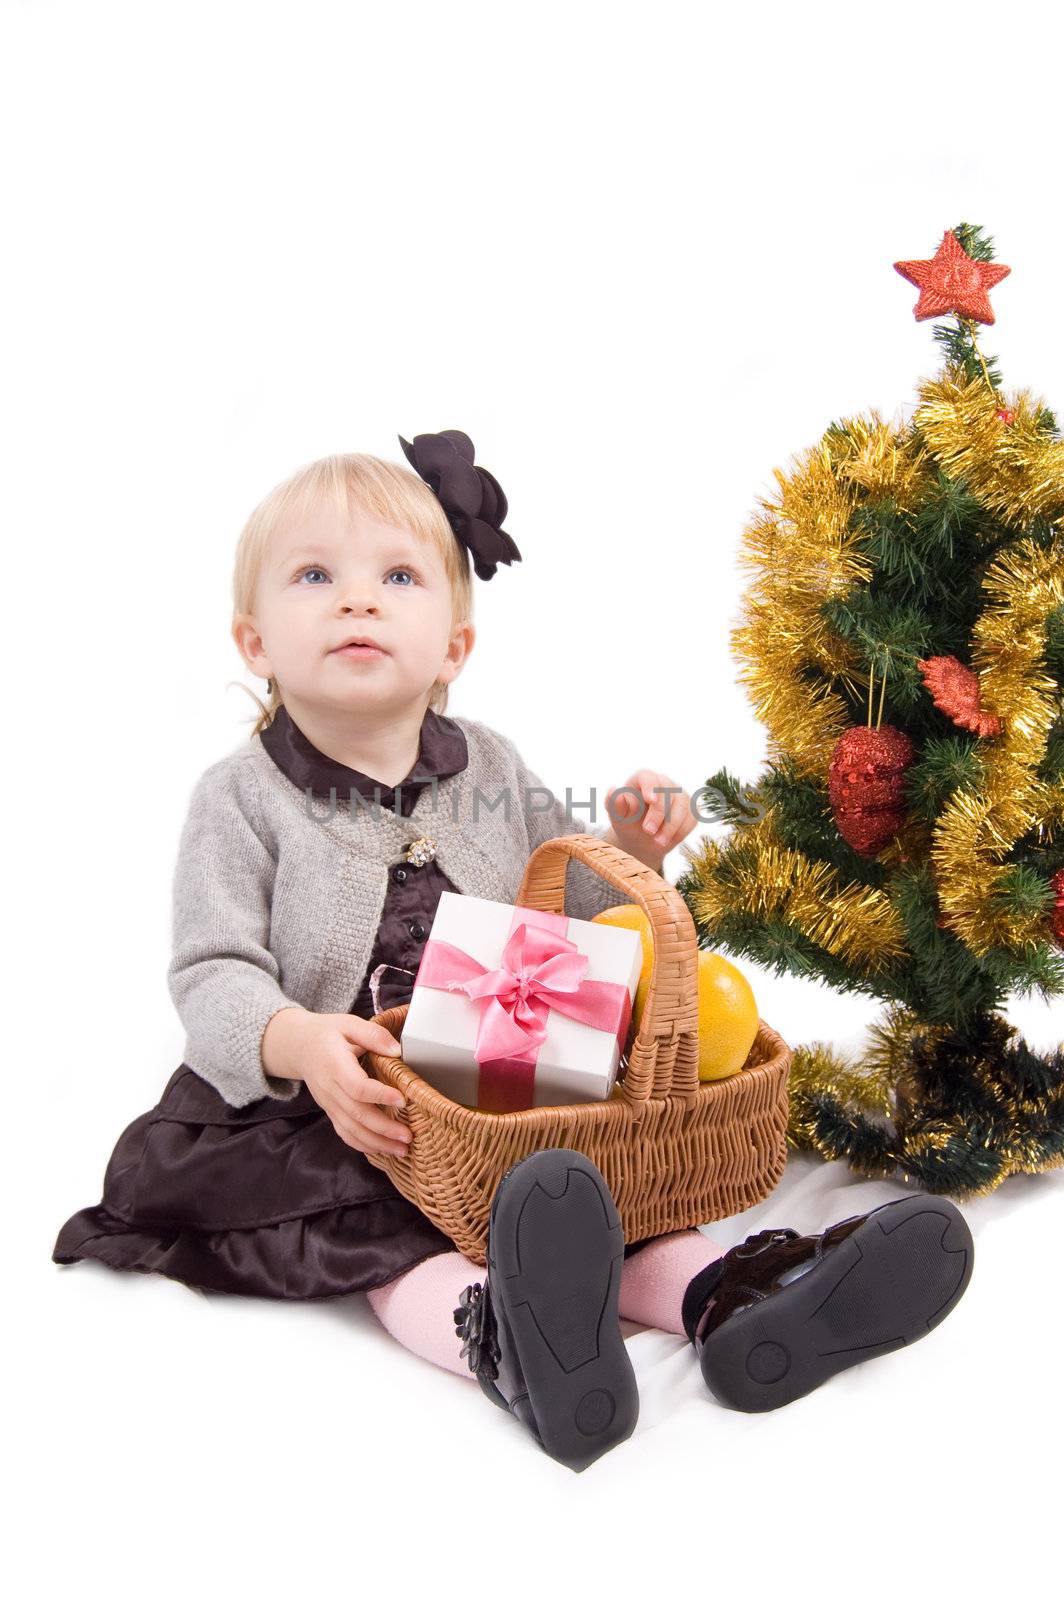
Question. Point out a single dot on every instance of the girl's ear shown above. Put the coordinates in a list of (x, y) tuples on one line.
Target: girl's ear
[(248, 641), (461, 643)]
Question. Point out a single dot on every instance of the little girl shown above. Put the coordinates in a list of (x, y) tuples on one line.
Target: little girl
[(309, 869)]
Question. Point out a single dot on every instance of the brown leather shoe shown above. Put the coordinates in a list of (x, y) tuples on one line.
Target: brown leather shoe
[(781, 1312)]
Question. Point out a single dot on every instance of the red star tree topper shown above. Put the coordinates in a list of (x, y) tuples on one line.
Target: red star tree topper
[(952, 281)]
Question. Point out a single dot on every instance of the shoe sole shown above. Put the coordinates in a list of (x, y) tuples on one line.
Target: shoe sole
[(555, 1253), (891, 1281)]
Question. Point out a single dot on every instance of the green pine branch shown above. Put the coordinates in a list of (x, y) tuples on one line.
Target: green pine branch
[(723, 798), (945, 763)]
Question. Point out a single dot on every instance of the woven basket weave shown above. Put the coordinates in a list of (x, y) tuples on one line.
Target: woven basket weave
[(675, 1152)]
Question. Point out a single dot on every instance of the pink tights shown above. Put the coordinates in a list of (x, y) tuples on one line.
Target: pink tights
[(416, 1308)]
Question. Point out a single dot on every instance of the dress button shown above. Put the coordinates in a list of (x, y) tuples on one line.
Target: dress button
[(417, 931), (399, 874)]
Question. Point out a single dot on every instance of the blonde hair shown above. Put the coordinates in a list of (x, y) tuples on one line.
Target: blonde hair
[(381, 488)]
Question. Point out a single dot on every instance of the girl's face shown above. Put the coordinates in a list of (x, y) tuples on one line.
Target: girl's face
[(331, 577)]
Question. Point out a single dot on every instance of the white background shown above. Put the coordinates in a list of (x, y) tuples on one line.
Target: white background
[(641, 255)]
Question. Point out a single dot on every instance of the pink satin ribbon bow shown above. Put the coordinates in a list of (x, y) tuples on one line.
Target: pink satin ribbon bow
[(541, 971)]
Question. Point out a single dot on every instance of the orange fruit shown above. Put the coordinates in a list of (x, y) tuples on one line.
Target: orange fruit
[(630, 916), (727, 1010), (727, 1017)]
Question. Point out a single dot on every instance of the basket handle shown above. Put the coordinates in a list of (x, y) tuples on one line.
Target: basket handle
[(664, 1055)]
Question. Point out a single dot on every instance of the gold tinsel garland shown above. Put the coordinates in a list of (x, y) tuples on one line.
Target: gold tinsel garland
[(1014, 468), (1052, 819), (801, 552), (866, 1086), (764, 879), (876, 1089), (1017, 472)]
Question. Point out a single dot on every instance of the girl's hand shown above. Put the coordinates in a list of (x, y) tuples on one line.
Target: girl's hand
[(323, 1049), (650, 828)]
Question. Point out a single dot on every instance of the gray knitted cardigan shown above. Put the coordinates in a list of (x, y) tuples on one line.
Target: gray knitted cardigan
[(277, 896)]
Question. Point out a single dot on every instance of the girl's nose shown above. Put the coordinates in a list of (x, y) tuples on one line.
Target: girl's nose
[(357, 598)]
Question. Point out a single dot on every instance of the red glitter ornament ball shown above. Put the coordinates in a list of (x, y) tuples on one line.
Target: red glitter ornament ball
[(1057, 915), (866, 786)]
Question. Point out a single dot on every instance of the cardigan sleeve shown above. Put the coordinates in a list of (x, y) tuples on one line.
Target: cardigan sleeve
[(586, 892), (222, 978)]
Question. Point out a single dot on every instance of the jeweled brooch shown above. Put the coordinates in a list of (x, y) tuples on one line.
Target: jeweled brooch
[(421, 851)]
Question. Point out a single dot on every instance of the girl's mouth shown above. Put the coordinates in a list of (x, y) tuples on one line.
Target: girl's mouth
[(357, 651)]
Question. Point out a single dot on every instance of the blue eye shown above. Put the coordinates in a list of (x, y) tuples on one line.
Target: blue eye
[(307, 570)]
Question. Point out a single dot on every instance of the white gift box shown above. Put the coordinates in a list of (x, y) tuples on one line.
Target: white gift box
[(573, 1062)]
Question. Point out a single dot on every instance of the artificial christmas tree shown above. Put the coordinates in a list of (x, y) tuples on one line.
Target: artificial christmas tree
[(903, 642)]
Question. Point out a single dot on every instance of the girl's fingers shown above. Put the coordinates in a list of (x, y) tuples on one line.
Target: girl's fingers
[(385, 1127), (385, 1147), (628, 805), (364, 1126), (359, 1086), (356, 1139), (639, 803), (618, 810), (666, 826), (371, 1036), (670, 831), (378, 1093), (342, 1099), (363, 1121), (651, 783)]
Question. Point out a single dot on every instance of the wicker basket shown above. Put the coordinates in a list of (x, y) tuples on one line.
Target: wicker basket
[(675, 1152)]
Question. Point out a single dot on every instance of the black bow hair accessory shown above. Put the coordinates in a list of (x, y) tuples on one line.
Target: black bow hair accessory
[(472, 499)]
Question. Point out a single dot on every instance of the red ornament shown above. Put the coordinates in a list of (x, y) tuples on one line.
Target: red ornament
[(952, 281), (1057, 915), (1006, 416), (955, 690), (866, 786)]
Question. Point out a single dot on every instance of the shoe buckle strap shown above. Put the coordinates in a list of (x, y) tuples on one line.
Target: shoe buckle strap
[(756, 1243)]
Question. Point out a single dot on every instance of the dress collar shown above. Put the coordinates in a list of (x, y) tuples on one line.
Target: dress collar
[(443, 752)]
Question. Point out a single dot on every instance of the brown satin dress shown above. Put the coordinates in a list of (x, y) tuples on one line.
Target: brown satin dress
[(266, 1199)]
